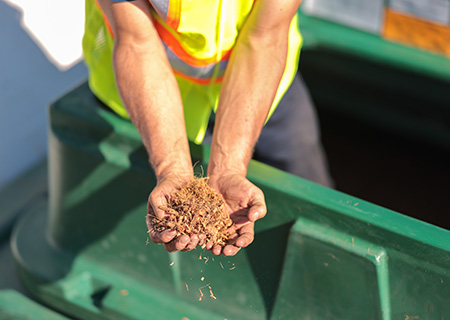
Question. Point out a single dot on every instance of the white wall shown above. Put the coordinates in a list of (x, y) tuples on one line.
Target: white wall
[(40, 59)]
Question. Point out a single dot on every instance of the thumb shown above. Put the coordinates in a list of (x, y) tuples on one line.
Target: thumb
[(257, 211), (157, 205)]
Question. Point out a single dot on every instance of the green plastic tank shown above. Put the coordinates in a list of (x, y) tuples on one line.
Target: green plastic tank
[(15, 306), (318, 254)]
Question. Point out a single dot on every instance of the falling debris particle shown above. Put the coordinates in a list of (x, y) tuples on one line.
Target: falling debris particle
[(325, 264), (171, 264), (201, 295), (221, 264), (353, 242), (187, 287), (211, 293), (206, 259), (333, 256), (212, 258), (356, 203), (233, 267), (147, 241), (123, 292), (200, 257), (202, 278)]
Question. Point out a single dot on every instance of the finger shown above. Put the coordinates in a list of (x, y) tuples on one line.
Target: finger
[(201, 239), (257, 211), (239, 221), (217, 250), (177, 244), (209, 245), (155, 202), (161, 237), (246, 236), (192, 243), (232, 237), (158, 237), (148, 220), (167, 235), (230, 250)]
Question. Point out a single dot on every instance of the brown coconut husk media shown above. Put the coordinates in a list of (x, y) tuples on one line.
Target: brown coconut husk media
[(196, 208)]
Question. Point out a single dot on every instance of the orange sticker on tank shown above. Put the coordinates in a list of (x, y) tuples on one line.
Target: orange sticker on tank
[(412, 31)]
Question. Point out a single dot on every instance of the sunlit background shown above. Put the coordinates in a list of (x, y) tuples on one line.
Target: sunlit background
[(40, 59)]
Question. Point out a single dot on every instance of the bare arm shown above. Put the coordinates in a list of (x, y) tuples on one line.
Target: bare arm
[(250, 84), (151, 96), (148, 87)]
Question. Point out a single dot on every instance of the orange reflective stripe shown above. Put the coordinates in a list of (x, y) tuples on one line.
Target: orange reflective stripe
[(106, 20), (173, 14), (169, 39), (197, 80), (174, 44)]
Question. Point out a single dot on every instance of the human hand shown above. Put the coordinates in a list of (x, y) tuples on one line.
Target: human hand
[(245, 204), (158, 199)]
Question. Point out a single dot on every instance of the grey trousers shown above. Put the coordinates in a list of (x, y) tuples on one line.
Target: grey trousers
[(290, 140)]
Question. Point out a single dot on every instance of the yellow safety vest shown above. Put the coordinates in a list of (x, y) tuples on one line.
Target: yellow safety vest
[(198, 37)]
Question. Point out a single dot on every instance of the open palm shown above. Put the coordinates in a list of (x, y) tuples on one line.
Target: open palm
[(245, 203)]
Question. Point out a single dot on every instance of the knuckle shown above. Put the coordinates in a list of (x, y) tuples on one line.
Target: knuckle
[(169, 247), (166, 237), (154, 238)]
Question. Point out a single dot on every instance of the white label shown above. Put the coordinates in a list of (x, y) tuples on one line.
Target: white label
[(361, 14), (433, 10)]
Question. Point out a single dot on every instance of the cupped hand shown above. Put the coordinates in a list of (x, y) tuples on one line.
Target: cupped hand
[(245, 204), (158, 199)]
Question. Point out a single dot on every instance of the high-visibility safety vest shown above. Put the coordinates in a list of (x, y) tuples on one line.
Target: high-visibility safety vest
[(198, 37)]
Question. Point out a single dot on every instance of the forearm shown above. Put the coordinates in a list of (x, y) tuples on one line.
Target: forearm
[(250, 84), (151, 96), (147, 86)]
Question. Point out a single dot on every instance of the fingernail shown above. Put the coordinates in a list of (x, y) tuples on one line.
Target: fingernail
[(184, 241)]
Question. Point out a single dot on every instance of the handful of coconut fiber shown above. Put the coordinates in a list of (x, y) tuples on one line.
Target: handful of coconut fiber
[(196, 208)]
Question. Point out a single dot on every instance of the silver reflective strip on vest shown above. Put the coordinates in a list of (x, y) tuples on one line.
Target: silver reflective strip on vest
[(161, 7), (205, 72)]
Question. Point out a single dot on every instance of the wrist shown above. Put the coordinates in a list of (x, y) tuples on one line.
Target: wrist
[(222, 167), (173, 170), (223, 163)]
